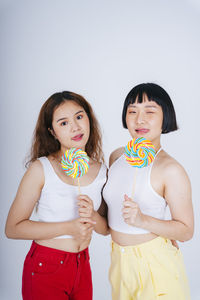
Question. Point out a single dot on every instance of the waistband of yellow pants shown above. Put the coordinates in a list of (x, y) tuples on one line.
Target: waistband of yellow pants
[(141, 248)]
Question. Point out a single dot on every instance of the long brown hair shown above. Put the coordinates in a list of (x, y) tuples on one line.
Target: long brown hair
[(44, 143)]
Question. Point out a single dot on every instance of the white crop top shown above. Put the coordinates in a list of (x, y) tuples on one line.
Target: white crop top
[(58, 200), (120, 182)]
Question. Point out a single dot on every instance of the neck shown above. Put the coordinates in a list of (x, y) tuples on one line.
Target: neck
[(156, 143), (157, 147)]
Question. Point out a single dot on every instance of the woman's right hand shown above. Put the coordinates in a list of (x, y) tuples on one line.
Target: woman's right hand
[(82, 228)]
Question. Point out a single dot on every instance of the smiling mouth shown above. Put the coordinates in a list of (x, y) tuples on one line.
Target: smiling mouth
[(142, 130), (77, 138)]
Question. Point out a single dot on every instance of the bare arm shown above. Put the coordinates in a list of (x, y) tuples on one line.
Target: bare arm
[(101, 219), (178, 196), (18, 225), (115, 155), (86, 210)]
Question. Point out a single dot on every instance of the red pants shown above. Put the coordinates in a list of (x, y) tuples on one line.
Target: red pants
[(51, 274)]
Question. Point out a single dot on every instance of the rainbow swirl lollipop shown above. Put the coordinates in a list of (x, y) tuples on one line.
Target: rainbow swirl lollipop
[(139, 152), (75, 162)]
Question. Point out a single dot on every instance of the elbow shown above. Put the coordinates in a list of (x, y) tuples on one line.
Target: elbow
[(107, 231), (190, 232), (9, 232), (12, 230), (188, 235)]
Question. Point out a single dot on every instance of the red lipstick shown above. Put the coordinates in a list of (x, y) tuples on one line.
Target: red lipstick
[(77, 138), (142, 130)]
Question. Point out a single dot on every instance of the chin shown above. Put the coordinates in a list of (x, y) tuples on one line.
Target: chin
[(81, 146)]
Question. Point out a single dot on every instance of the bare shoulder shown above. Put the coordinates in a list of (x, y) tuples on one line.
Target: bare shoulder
[(170, 167), (27, 194), (115, 155), (35, 172), (95, 164), (35, 167)]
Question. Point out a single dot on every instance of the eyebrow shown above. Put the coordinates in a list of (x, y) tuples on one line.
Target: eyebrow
[(146, 106), (64, 118)]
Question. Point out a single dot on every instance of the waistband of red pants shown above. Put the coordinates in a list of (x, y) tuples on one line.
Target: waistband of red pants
[(59, 253)]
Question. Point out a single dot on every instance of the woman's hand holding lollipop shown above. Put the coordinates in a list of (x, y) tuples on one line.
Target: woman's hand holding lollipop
[(86, 207), (139, 153), (82, 229), (75, 164), (131, 213)]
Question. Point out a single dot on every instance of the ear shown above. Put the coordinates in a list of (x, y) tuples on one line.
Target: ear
[(52, 132)]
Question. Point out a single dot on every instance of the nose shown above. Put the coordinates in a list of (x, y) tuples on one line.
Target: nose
[(140, 118), (74, 126)]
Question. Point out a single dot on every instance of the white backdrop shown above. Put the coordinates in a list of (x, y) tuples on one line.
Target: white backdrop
[(100, 49)]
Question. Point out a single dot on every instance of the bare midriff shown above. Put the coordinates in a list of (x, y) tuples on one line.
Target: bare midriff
[(65, 244), (124, 239)]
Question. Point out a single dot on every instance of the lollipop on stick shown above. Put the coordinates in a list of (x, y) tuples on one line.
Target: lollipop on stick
[(139, 153), (75, 163)]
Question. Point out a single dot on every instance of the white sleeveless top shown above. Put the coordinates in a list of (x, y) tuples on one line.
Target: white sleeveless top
[(120, 182), (58, 200)]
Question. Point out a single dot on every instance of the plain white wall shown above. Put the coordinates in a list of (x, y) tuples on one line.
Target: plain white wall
[(100, 49)]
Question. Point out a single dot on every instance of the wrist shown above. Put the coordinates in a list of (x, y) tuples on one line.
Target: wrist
[(144, 221), (69, 227)]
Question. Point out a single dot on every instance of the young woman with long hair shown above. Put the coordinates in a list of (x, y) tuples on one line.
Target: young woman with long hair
[(57, 265)]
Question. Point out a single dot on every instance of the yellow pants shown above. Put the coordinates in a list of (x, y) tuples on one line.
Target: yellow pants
[(149, 271)]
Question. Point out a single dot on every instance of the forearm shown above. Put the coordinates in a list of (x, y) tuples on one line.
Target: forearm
[(101, 225), (171, 229), (31, 230)]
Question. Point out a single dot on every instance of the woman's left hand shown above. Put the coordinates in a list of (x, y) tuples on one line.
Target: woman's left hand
[(131, 212), (86, 207), (175, 244)]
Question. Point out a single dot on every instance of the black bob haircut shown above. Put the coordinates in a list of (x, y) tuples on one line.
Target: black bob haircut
[(155, 93)]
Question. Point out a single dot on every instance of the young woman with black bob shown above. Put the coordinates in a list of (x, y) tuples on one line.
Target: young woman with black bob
[(144, 262)]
